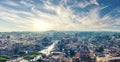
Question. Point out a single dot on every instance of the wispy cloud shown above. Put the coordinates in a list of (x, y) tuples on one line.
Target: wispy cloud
[(11, 3), (61, 16)]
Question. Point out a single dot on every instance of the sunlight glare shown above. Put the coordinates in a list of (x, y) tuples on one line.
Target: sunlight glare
[(41, 26)]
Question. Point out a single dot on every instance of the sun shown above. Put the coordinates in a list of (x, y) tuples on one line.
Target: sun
[(41, 26)]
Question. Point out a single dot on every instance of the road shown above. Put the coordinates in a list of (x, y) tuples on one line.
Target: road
[(45, 51)]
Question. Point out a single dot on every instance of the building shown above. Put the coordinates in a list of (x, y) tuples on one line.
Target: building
[(108, 59), (84, 54)]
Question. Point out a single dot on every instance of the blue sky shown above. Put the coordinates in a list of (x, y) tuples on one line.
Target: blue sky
[(43, 15)]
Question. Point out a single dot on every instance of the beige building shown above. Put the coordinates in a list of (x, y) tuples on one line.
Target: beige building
[(108, 59)]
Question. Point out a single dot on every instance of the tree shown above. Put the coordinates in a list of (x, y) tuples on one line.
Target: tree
[(72, 53), (4, 58), (35, 52), (16, 55), (28, 57), (21, 52), (8, 37), (40, 60), (99, 49), (46, 39)]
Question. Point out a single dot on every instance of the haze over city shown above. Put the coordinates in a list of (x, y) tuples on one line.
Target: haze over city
[(61, 15)]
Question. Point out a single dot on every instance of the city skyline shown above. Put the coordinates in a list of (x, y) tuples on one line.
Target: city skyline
[(62, 15)]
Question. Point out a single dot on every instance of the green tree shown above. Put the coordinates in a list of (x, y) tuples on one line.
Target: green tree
[(16, 55), (28, 57), (4, 58), (35, 52), (21, 52)]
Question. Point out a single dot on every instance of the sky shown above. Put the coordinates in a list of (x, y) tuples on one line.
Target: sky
[(61, 15)]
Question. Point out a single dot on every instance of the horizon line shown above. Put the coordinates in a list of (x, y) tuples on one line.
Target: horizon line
[(67, 30)]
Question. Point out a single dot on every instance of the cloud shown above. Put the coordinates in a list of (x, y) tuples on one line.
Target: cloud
[(59, 16), (8, 2), (25, 3), (94, 2)]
